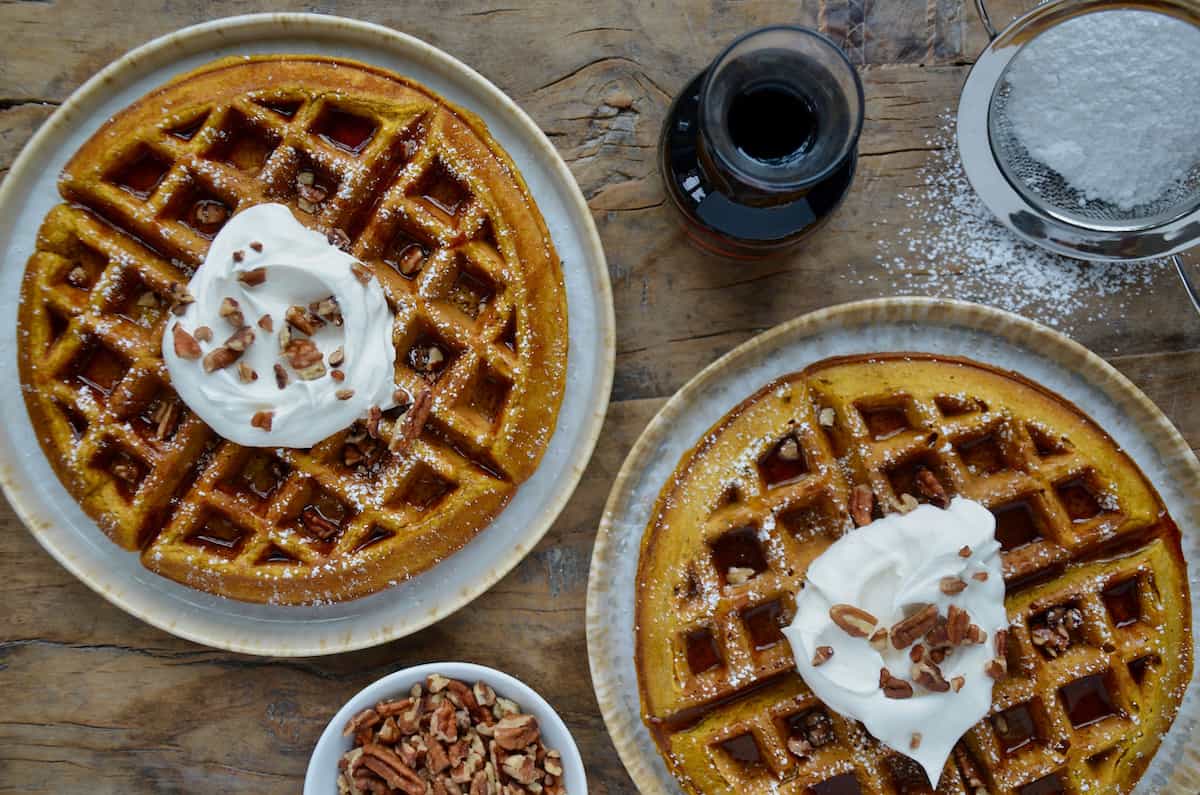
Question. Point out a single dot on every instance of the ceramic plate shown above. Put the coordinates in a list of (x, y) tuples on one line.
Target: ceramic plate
[(895, 324), (73, 539)]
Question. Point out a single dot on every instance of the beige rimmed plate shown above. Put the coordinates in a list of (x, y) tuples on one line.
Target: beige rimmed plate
[(46, 508), (894, 324)]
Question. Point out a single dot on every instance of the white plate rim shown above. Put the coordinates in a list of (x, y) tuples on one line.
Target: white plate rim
[(318, 636)]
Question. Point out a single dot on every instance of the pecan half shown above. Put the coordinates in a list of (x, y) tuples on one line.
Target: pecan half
[(905, 633), (862, 503), (957, 622), (186, 346), (893, 686), (854, 621), (412, 423), (931, 488), (253, 277)]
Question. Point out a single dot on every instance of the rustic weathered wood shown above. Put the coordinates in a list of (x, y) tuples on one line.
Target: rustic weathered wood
[(93, 700)]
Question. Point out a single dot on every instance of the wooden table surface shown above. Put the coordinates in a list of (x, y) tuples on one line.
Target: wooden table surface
[(94, 700)]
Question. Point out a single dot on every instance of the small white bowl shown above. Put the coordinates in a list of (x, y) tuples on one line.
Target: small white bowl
[(321, 778)]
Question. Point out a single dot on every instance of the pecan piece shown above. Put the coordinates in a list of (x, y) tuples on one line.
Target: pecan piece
[(328, 310), (515, 732), (862, 503), (893, 686), (361, 272), (412, 423), (929, 676), (822, 655), (281, 376), (246, 374), (957, 622), (180, 297), (338, 239), (166, 416), (303, 319), (231, 311), (344, 394), (253, 277), (905, 633), (854, 621), (266, 323), (952, 585), (204, 334), (262, 420), (317, 524), (392, 769), (186, 346), (305, 358), (931, 488), (521, 768), (366, 719), (411, 260)]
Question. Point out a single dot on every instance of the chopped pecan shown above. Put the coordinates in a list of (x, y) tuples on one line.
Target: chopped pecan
[(77, 277), (246, 374), (893, 686), (303, 319), (789, 449), (862, 503), (281, 376), (266, 323), (209, 213), (262, 420), (254, 244), (337, 358), (521, 768), (317, 524), (361, 272), (231, 311), (976, 635), (186, 346), (879, 639), (165, 417), (338, 239), (981, 576), (929, 676), (305, 358), (822, 655), (180, 297), (253, 277), (905, 633), (996, 668), (952, 585), (443, 725), (916, 652), (412, 423), (344, 394), (965, 552), (957, 622), (337, 375), (328, 310), (366, 719), (854, 621), (392, 769), (931, 488), (204, 334), (956, 684), (915, 742), (514, 732), (827, 417)]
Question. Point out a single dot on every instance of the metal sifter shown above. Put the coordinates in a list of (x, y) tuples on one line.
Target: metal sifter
[(1036, 202)]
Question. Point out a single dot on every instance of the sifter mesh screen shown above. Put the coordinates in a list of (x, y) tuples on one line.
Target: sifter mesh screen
[(1046, 190)]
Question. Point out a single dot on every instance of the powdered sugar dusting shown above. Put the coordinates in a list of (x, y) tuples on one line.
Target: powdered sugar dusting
[(955, 248)]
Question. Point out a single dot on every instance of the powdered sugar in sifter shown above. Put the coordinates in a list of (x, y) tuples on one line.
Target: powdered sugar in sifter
[(1038, 203)]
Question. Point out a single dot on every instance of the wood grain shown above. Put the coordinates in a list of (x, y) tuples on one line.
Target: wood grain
[(97, 701)]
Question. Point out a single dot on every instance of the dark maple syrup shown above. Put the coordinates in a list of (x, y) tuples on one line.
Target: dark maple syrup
[(845, 784), (1016, 525), (743, 748), (142, 174), (1078, 500), (739, 548), (1087, 700), (1123, 603), (274, 554), (219, 535), (885, 422), (376, 535), (982, 455), (1139, 667), (1014, 728), (701, 649), (763, 622), (778, 468), (426, 489), (346, 130), (759, 149), (100, 369), (1047, 785)]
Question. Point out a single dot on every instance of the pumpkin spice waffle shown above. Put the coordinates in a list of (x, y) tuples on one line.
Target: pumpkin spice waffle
[(1099, 643), (411, 186)]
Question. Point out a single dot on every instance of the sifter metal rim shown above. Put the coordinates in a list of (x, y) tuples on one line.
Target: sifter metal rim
[(1031, 223)]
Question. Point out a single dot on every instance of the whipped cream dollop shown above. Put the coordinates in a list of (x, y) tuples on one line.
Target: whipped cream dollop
[(894, 568), (268, 262)]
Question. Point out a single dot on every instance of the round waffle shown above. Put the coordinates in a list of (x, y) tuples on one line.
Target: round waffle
[(415, 188), (1099, 648)]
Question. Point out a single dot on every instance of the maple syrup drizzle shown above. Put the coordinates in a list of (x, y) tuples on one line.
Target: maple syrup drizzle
[(471, 292), (141, 175), (274, 554), (777, 470), (1047, 785), (346, 130), (1014, 728), (1139, 667), (1016, 525), (377, 534), (100, 370), (885, 422), (1087, 700), (739, 548), (1123, 603), (983, 455), (427, 489), (743, 748), (219, 535), (702, 651), (763, 622), (1078, 500), (845, 784)]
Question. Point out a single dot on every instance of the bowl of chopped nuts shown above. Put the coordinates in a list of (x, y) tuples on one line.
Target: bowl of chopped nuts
[(446, 729)]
